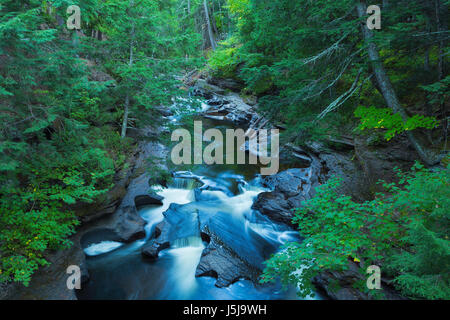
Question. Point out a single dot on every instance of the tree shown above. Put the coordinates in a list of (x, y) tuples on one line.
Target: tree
[(208, 24), (387, 90), (312, 71)]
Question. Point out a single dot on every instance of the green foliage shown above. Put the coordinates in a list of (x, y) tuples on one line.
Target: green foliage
[(223, 60), (60, 144), (405, 230), (438, 92), (384, 118), (301, 56)]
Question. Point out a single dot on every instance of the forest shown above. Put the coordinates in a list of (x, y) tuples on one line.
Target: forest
[(365, 110)]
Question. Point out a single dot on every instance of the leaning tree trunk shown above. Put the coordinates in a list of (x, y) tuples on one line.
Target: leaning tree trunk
[(208, 23), (385, 85), (440, 28)]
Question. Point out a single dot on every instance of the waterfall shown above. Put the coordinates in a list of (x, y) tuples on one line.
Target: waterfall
[(186, 254), (194, 242), (182, 183)]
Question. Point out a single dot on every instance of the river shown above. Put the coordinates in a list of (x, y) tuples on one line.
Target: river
[(118, 271)]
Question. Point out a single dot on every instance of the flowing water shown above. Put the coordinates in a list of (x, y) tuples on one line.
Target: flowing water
[(118, 271)]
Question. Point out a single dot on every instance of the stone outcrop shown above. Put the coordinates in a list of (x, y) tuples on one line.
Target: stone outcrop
[(290, 189)]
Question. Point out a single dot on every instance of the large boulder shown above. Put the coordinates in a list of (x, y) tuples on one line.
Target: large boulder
[(234, 251), (148, 199), (274, 206), (341, 285), (152, 249), (129, 224), (180, 222), (290, 189), (293, 182), (220, 263)]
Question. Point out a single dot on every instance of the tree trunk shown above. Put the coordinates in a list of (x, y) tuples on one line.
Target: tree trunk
[(213, 21), (127, 98), (437, 5), (385, 85), (125, 116), (208, 24)]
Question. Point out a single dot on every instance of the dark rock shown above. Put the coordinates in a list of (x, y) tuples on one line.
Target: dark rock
[(152, 249), (216, 101), (180, 222), (207, 90), (364, 165), (129, 225), (293, 181), (246, 244), (233, 253), (290, 189), (295, 155), (138, 187), (340, 285), (274, 206), (220, 263), (229, 84), (148, 199)]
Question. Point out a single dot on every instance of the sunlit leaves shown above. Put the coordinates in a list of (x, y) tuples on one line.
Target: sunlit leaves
[(391, 123)]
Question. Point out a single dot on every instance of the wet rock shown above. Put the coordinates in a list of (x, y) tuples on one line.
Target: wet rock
[(216, 101), (138, 187), (274, 206), (233, 109), (220, 263), (148, 199), (290, 189), (207, 184), (180, 222), (129, 224), (152, 249), (234, 252), (293, 181)]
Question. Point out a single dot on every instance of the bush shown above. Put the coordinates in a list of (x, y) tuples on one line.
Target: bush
[(405, 230)]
